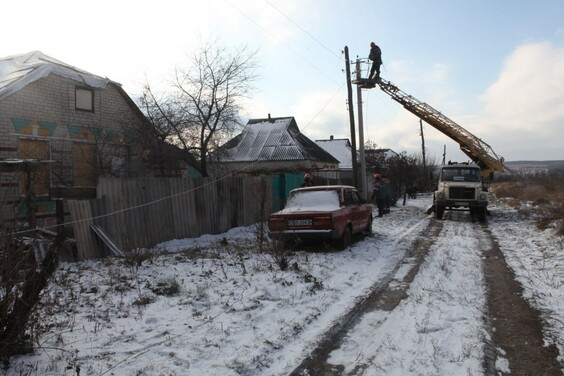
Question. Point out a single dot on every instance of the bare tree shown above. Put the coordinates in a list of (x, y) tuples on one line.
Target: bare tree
[(202, 108)]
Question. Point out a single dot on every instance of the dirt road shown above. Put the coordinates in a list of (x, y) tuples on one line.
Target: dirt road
[(514, 329)]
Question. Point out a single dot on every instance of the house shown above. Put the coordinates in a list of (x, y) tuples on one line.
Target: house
[(271, 146), (77, 125), (377, 159), (342, 151)]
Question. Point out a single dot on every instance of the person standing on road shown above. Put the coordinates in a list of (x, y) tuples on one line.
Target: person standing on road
[(376, 57), (379, 194)]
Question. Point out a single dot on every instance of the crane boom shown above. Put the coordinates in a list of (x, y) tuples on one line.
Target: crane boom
[(476, 149)]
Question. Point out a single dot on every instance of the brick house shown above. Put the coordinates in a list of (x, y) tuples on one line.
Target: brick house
[(61, 127)]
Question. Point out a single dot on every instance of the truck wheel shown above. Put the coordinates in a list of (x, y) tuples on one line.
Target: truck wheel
[(346, 238), (439, 211), (481, 214)]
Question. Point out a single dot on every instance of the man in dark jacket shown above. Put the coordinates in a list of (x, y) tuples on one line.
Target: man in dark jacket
[(379, 194), (376, 57)]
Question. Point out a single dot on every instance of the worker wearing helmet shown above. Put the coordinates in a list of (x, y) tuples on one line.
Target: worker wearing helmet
[(308, 180), (376, 57)]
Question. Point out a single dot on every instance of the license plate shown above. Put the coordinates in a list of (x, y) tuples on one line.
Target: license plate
[(299, 222), (460, 203)]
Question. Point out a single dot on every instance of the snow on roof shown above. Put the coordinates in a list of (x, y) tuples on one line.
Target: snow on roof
[(18, 71), (272, 139), (338, 148)]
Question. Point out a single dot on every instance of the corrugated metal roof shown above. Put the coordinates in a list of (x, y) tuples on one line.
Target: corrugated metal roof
[(272, 139)]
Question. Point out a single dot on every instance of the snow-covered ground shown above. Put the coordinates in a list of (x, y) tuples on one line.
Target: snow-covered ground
[(214, 306)]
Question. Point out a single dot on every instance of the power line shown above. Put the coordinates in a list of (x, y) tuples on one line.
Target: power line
[(305, 31), (281, 42)]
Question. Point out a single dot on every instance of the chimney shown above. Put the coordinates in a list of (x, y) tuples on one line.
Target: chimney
[(270, 119), (331, 138)]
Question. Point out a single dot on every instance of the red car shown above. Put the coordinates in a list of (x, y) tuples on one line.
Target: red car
[(322, 212)]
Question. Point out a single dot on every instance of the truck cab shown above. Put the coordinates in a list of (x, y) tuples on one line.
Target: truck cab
[(460, 186)]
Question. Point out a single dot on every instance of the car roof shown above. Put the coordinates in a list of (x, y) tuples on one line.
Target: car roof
[(325, 188)]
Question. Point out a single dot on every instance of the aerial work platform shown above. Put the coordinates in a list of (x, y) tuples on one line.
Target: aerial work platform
[(365, 83)]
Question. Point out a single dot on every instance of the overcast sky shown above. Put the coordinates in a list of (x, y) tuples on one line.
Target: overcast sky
[(494, 67)]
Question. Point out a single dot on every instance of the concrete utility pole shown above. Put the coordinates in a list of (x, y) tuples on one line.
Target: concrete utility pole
[(351, 116), (423, 145), (364, 188), (444, 155)]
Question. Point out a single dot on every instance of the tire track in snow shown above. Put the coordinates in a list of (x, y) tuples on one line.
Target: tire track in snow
[(516, 342), (386, 295)]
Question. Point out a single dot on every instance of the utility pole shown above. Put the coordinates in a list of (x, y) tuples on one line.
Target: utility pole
[(444, 155), (351, 116), (425, 172), (423, 144), (363, 190)]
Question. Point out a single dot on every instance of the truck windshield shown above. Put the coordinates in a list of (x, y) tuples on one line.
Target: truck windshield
[(460, 174)]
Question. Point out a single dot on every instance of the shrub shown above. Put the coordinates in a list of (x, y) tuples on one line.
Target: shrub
[(166, 287), (545, 193)]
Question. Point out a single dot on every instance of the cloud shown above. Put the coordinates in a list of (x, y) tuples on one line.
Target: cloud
[(529, 93), (524, 108), (321, 114)]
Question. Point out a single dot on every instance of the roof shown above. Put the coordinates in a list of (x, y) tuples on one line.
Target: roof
[(272, 139), (387, 153), (340, 149), (18, 71)]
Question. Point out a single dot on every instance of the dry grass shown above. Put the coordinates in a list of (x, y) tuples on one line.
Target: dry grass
[(541, 196)]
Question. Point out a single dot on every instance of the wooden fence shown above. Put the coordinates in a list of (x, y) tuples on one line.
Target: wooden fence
[(143, 212)]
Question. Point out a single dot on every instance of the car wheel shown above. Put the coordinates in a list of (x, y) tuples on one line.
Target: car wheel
[(346, 238), (368, 230), (439, 211)]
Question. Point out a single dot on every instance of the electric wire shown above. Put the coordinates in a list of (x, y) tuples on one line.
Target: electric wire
[(305, 31), (281, 42)]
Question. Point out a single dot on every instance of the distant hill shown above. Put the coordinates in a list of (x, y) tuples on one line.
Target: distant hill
[(516, 166)]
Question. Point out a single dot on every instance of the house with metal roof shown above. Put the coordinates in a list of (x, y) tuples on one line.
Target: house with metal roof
[(271, 146)]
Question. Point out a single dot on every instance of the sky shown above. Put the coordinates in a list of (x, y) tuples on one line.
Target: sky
[(494, 67), (235, 313)]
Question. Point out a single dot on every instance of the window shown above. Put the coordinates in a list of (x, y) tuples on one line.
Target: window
[(351, 198), (84, 99)]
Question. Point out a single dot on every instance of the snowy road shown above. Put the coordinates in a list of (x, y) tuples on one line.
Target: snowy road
[(437, 294)]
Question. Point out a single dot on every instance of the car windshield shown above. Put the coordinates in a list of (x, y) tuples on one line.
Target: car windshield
[(312, 201), (460, 174)]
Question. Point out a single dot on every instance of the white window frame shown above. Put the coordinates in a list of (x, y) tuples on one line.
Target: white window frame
[(84, 99)]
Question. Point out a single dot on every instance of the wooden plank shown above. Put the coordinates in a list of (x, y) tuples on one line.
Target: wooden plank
[(107, 240), (82, 219)]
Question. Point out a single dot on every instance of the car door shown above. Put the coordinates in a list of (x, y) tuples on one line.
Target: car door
[(354, 209)]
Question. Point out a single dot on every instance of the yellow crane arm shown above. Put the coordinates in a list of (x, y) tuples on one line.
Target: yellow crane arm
[(476, 149)]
